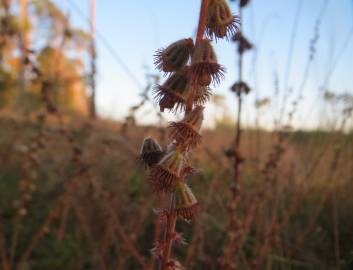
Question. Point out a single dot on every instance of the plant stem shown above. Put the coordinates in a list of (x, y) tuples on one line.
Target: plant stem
[(157, 231), (199, 36), (237, 139), (168, 235), (172, 218), (202, 20), (233, 222)]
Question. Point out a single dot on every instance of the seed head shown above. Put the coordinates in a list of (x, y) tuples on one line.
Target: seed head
[(151, 152), (204, 65), (173, 92), (220, 20), (243, 3), (175, 56), (186, 205), (243, 43), (186, 132), (202, 95), (240, 87), (164, 175)]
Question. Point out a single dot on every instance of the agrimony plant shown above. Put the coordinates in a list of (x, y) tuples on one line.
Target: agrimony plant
[(191, 66)]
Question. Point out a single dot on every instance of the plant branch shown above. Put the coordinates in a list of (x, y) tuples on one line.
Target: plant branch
[(202, 20), (236, 164), (199, 36), (169, 234), (172, 218)]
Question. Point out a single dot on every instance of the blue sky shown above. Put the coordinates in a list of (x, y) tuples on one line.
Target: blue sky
[(135, 29)]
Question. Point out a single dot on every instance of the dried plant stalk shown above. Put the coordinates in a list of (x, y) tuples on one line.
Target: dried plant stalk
[(193, 67)]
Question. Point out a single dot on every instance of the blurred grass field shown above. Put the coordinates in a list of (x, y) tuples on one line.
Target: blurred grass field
[(111, 200)]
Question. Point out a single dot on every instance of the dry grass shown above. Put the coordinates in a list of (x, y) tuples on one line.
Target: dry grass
[(54, 215)]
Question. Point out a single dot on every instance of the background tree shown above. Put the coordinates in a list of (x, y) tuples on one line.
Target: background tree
[(59, 43)]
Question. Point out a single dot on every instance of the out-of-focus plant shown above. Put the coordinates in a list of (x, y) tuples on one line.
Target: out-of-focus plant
[(145, 99), (59, 41), (239, 88)]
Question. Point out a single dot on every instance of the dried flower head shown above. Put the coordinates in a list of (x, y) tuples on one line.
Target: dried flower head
[(202, 95), (243, 3), (151, 152), (186, 132), (173, 92), (186, 205), (243, 43), (240, 87), (175, 56), (204, 65), (220, 20), (164, 175)]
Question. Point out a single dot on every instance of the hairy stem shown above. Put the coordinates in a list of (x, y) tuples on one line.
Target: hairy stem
[(169, 234), (157, 231), (172, 218), (202, 20), (199, 36)]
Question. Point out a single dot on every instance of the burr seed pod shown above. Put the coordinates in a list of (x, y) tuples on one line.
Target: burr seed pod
[(186, 132), (202, 95), (164, 175), (175, 56), (204, 66), (243, 43), (220, 20), (240, 88), (173, 93), (186, 205), (244, 3), (151, 152)]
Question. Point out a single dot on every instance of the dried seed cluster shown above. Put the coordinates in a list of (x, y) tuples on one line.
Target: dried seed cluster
[(151, 152), (243, 43), (220, 21), (190, 68)]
